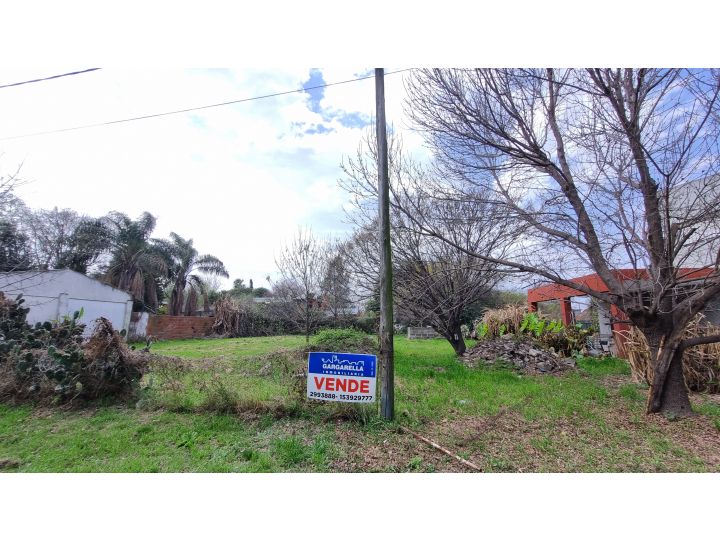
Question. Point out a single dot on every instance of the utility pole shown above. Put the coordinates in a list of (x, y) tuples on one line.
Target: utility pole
[(387, 396)]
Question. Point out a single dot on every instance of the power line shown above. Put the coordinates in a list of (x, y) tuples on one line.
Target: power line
[(49, 78), (144, 117)]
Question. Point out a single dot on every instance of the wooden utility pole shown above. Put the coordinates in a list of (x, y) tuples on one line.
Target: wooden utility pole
[(387, 396)]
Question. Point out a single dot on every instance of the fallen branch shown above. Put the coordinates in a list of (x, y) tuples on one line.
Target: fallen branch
[(443, 450)]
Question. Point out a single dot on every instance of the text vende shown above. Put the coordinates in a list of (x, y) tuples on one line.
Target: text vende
[(337, 384)]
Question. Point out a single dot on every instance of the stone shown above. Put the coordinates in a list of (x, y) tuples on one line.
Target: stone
[(523, 354)]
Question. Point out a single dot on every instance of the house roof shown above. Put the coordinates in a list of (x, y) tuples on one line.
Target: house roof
[(31, 281)]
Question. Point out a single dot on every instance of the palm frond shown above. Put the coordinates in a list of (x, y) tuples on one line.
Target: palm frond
[(209, 264)]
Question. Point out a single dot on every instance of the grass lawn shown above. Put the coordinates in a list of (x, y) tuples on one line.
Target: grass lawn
[(588, 420)]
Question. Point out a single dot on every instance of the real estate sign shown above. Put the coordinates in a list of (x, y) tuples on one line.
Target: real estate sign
[(341, 377)]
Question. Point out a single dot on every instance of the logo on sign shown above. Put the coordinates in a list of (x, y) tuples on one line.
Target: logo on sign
[(341, 376)]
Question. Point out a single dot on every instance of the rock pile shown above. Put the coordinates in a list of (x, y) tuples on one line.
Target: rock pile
[(521, 353)]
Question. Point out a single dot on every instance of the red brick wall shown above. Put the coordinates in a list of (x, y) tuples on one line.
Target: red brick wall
[(176, 327)]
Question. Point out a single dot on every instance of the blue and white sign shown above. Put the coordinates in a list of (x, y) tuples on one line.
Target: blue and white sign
[(341, 377)]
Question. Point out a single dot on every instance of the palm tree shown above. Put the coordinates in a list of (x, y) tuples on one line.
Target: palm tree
[(135, 263), (183, 262)]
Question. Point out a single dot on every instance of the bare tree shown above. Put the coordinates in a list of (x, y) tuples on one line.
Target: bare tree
[(8, 183), (51, 234), (335, 286), (434, 281), (302, 265), (616, 168)]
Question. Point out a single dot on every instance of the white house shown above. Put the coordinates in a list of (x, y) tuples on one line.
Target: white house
[(50, 294)]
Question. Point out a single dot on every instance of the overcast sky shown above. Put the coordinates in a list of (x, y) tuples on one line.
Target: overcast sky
[(238, 179)]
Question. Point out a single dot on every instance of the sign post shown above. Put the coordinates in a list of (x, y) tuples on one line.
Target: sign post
[(342, 377)]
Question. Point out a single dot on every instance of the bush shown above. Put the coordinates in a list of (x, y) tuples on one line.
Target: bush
[(369, 323), (50, 359), (500, 321), (241, 317), (345, 340), (551, 334)]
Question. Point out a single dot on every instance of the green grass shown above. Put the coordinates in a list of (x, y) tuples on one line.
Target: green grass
[(124, 440), (493, 416), (433, 384), (234, 348)]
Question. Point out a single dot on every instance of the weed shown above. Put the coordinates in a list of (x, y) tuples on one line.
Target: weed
[(631, 393), (291, 450)]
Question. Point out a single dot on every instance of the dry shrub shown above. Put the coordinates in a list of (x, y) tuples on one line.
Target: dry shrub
[(235, 317), (507, 318), (701, 364), (111, 367), (102, 366)]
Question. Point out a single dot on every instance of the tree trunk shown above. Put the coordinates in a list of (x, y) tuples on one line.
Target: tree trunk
[(455, 338), (176, 298), (175, 302), (307, 320), (668, 393)]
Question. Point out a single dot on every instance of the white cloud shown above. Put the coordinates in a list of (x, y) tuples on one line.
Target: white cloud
[(238, 179)]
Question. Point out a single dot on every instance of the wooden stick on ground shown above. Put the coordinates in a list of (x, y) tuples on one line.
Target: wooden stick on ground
[(443, 450)]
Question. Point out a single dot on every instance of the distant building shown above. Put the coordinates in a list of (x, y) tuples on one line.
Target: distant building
[(51, 294)]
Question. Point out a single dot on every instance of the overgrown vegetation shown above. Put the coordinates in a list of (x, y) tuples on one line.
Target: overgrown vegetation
[(51, 360), (345, 340), (252, 381), (590, 420), (551, 334), (241, 317)]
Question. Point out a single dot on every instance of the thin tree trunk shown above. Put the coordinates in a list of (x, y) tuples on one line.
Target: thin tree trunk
[(307, 319)]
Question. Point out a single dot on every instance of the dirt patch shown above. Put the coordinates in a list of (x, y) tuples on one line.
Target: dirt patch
[(7, 464), (623, 440), (389, 451)]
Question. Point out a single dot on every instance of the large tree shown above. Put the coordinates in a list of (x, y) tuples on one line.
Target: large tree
[(184, 263), (62, 238), (614, 171), (434, 282), (14, 248), (50, 232), (87, 243)]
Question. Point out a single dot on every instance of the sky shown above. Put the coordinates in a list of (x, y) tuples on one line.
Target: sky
[(238, 179)]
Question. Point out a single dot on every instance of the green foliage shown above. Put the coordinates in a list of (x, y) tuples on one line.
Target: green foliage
[(87, 242), (17, 336), (46, 352), (552, 334), (344, 340), (14, 248), (482, 330), (50, 358)]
